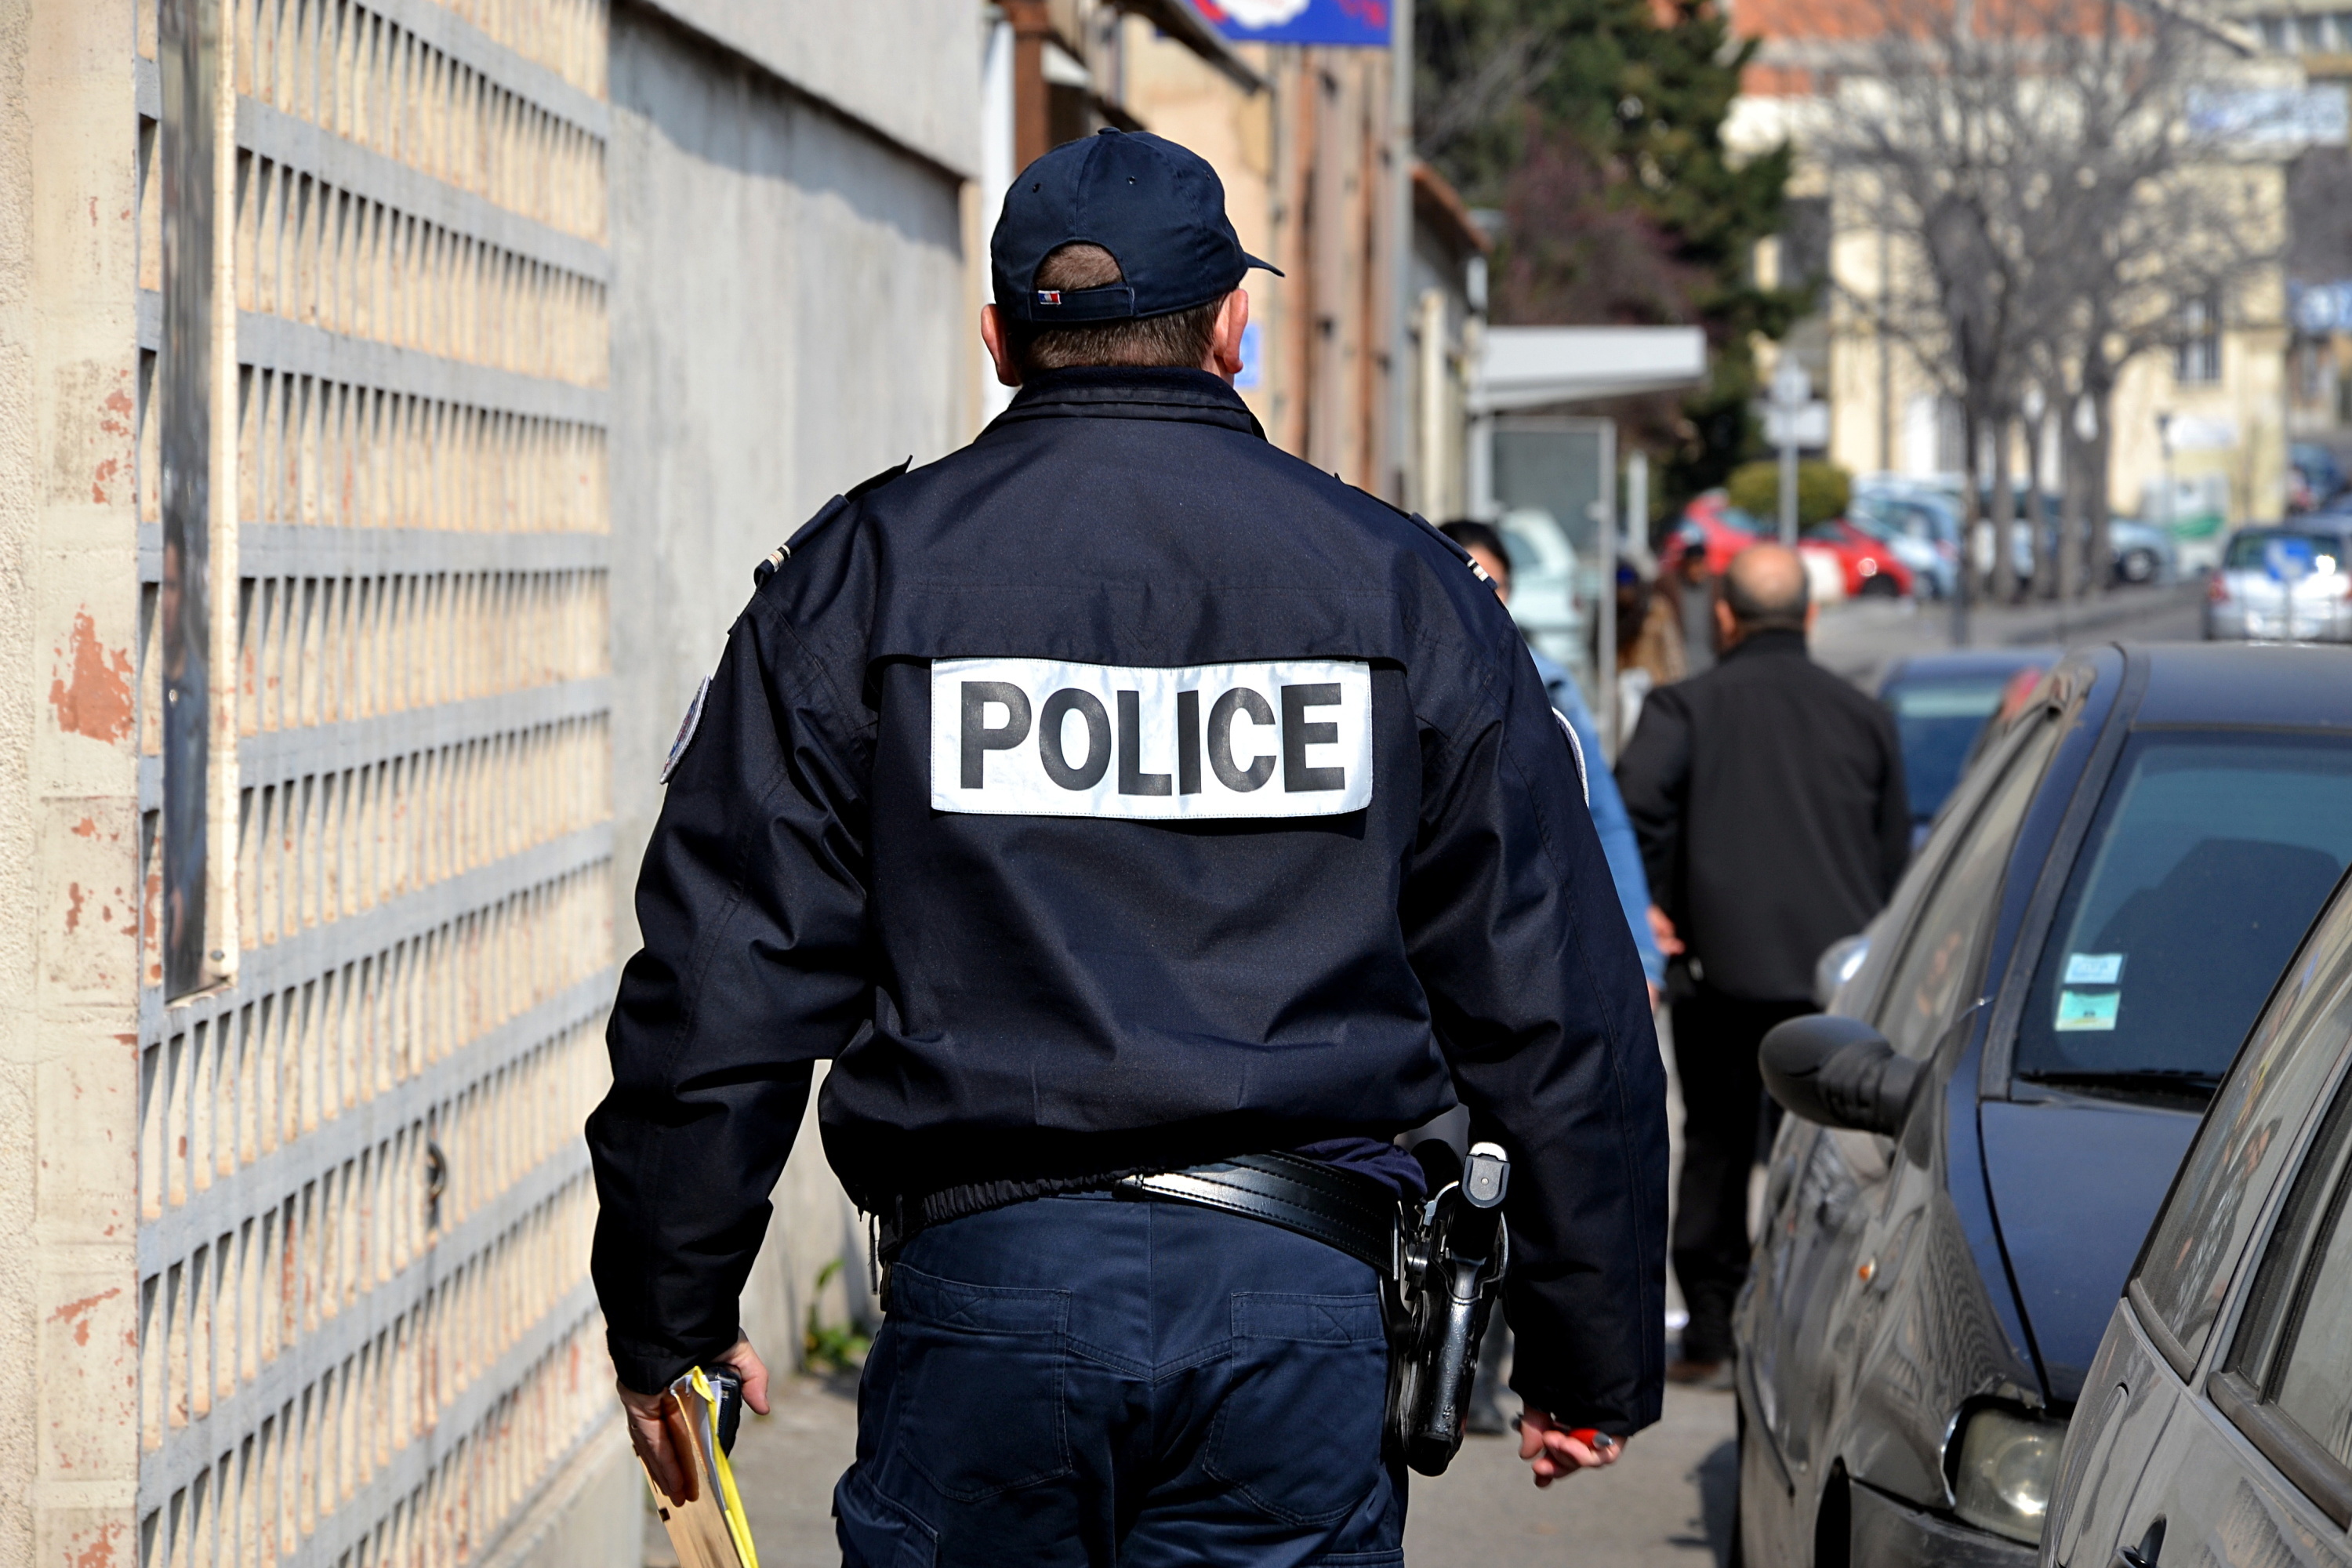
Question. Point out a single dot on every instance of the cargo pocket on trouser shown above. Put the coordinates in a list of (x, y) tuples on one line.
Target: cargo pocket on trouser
[(977, 1408), (1298, 1429), (875, 1532)]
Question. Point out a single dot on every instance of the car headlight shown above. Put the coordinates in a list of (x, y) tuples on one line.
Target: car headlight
[(2008, 1461)]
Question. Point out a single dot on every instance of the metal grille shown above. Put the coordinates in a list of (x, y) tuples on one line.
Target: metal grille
[(366, 1335)]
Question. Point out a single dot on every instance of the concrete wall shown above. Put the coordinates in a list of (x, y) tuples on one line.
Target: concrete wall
[(69, 787), (791, 315)]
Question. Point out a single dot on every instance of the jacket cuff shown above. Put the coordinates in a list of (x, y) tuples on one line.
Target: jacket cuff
[(645, 1367)]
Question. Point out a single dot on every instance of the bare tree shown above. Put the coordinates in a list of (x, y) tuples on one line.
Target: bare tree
[(2053, 206)]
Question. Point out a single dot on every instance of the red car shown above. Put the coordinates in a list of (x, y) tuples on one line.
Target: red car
[(1870, 566), (1712, 520), (1724, 531)]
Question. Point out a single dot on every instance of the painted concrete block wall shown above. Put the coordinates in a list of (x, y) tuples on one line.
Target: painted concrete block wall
[(907, 69), (789, 315), (69, 787)]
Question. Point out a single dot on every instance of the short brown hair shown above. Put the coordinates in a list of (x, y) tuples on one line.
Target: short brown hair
[(1180, 338)]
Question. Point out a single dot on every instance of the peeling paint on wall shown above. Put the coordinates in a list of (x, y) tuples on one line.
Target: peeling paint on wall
[(96, 701)]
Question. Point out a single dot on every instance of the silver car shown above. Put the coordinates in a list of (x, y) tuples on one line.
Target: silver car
[(2215, 1425), (2282, 583)]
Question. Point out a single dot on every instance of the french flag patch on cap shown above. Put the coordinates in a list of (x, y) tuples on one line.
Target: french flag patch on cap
[(1049, 295)]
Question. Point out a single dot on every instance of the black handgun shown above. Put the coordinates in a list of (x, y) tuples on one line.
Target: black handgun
[(1455, 1254)]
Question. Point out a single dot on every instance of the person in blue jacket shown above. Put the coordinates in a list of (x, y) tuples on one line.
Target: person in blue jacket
[(1616, 829)]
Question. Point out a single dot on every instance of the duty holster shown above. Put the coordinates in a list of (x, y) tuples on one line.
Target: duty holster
[(1452, 1257)]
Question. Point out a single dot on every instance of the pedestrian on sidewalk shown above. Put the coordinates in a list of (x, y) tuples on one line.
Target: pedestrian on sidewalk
[(1149, 827), (1767, 796)]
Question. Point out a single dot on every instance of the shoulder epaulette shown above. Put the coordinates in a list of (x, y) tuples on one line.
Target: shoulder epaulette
[(775, 559)]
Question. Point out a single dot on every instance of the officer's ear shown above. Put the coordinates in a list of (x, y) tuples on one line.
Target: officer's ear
[(999, 348), (1225, 338)]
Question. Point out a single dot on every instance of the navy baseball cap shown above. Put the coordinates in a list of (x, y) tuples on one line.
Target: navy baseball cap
[(1157, 208)]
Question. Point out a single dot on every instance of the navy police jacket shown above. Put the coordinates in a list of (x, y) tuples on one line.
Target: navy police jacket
[(1114, 795)]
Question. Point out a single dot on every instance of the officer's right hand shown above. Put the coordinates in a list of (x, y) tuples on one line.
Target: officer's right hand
[(657, 1430), (1552, 1451)]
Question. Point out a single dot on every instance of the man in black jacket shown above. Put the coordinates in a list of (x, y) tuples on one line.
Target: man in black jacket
[(1128, 809), (1768, 795)]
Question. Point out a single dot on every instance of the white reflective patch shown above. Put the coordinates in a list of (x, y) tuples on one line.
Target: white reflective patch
[(1576, 750), (1037, 737)]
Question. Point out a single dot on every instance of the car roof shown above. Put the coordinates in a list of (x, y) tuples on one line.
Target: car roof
[(2305, 686), (1968, 664)]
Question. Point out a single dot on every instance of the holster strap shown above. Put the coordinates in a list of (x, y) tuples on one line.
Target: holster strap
[(1338, 1208)]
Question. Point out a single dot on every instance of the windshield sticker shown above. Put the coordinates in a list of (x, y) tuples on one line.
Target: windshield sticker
[(2093, 968), (2087, 1009)]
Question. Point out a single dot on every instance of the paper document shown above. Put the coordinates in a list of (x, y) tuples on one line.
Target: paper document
[(706, 1527)]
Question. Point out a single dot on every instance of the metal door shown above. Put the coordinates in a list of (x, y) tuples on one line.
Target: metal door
[(378, 854)]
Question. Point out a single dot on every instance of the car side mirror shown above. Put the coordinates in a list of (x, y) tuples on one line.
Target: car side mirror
[(1839, 1072)]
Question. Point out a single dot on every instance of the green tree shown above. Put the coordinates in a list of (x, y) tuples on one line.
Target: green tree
[(1823, 491), (1597, 127)]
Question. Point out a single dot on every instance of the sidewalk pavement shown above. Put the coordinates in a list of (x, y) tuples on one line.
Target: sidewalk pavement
[(1859, 637), (1666, 1504)]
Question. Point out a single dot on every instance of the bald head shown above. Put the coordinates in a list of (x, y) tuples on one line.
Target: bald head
[(1765, 589)]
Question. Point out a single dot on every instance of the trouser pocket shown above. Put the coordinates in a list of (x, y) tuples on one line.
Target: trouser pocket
[(875, 1532), (978, 1406), (1298, 1429)]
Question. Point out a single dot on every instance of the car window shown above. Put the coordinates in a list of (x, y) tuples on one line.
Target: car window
[(2248, 1132), (2209, 857), (1934, 981), (1938, 721), (2319, 552)]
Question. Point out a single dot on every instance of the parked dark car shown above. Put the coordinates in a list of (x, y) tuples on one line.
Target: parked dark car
[(2216, 1424), (2006, 1086), (1940, 702)]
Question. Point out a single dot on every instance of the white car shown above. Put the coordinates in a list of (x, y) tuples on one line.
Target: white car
[(2282, 583)]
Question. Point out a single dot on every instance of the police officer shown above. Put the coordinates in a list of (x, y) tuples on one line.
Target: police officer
[(1148, 826)]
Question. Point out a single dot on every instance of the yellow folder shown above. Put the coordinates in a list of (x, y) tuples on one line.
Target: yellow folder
[(706, 1528)]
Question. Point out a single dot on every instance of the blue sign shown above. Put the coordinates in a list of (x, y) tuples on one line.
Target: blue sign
[(1361, 23), (2289, 559)]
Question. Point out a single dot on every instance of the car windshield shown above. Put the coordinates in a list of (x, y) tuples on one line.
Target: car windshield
[(2318, 553), (1938, 720), (2209, 856)]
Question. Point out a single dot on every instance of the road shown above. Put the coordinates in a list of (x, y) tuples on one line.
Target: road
[(1859, 637)]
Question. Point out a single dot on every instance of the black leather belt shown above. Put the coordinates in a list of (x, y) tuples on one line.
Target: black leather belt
[(1338, 1208)]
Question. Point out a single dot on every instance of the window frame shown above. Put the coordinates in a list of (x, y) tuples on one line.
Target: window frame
[(2270, 1309)]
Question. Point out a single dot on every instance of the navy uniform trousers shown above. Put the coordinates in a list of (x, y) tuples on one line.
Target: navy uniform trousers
[(1087, 1380)]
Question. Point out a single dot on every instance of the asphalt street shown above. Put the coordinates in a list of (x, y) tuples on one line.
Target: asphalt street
[(1859, 637)]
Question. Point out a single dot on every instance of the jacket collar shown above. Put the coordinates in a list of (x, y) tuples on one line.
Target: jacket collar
[(1131, 391), (1776, 640)]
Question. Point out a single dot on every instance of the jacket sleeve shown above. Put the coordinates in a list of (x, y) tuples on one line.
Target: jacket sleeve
[(1515, 930), (753, 904), (1654, 777)]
